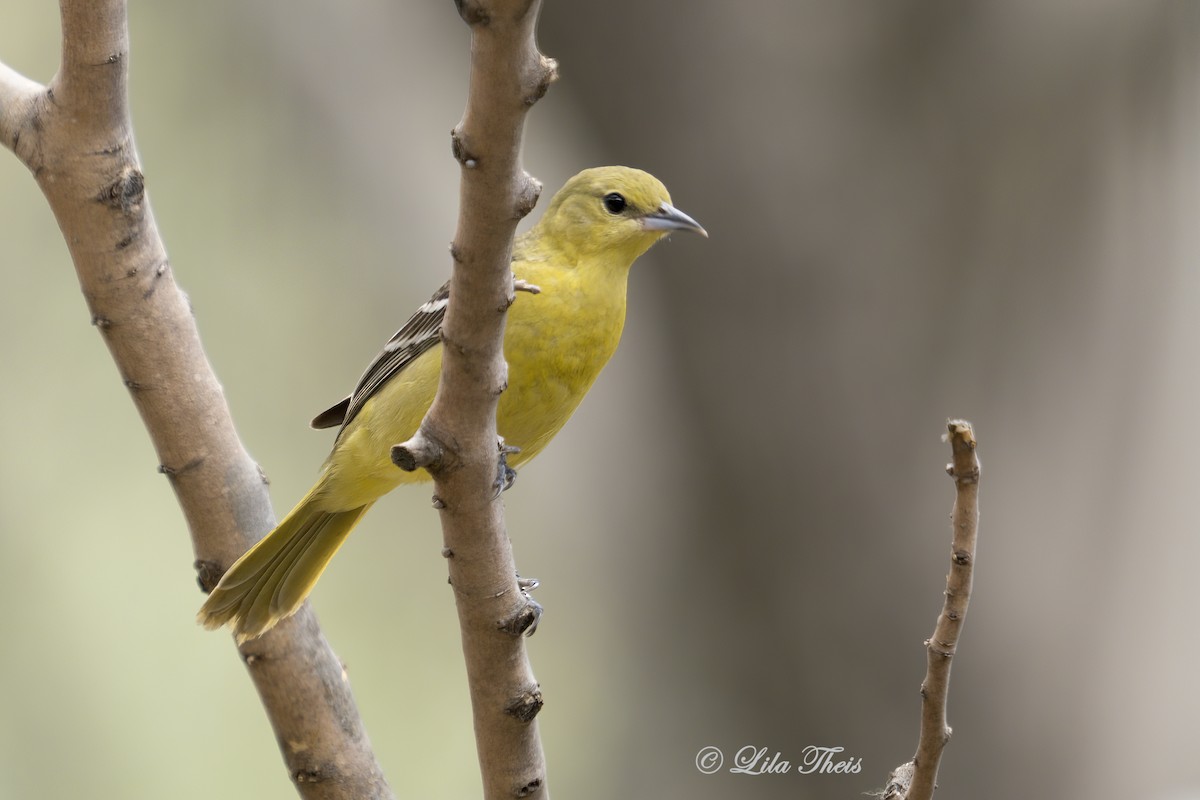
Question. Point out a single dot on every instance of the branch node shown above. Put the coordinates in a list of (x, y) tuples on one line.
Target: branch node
[(112, 149), (546, 74), (101, 322), (963, 478), (126, 192), (898, 782), (525, 705), (458, 148), (438, 503), (524, 620), (307, 776), (473, 13), (208, 574), (529, 788), (174, 472), (527, 195), (447, 552)]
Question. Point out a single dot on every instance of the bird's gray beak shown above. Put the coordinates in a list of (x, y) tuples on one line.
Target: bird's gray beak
[(669, 218)]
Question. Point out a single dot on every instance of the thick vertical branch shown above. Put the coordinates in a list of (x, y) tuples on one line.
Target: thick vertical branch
[(917, 779), (76, 136), (508, 75)]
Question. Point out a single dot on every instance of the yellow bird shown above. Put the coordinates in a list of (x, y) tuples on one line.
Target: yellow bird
[(559, 334)]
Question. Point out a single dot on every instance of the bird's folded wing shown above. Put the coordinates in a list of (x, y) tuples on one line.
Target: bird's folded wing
[(422, 331)]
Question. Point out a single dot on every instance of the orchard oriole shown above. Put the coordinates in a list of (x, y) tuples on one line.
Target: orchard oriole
[(556, 341)]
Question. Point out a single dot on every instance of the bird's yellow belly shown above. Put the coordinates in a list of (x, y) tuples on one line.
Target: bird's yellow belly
[(551, 368)]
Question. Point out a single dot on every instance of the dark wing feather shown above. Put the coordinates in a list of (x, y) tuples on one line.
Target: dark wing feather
[(422, 331), (331, 417)]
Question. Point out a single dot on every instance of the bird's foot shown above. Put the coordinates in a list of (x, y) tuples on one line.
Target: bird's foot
[(505, 475), (520, 285)]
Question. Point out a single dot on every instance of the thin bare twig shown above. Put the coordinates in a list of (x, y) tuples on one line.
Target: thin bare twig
[(457, 440), (916, 780), (75, 135)]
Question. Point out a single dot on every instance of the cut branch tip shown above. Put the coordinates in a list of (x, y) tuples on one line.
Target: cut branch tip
[(418, 452), (962, 430)]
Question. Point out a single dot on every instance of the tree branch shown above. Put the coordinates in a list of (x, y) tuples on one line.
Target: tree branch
[(916, 780), (457, 440), (77, 138), (17, 97)]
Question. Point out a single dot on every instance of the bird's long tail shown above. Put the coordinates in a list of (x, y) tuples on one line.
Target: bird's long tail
[(270, 581)]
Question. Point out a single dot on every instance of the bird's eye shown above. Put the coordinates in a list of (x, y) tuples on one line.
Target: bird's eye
[(614, 203)]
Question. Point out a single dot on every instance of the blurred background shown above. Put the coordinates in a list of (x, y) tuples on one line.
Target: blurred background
[(918, 210)]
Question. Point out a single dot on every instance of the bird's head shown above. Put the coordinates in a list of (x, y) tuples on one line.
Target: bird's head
[(613, 212)]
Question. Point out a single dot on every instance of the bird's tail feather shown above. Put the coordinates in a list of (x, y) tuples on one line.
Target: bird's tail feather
[(272, 579)]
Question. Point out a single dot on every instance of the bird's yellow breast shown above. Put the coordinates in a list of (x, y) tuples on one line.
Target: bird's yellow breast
[(556, 343)]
